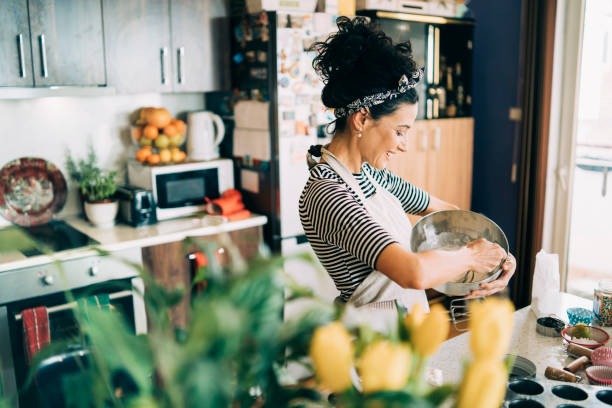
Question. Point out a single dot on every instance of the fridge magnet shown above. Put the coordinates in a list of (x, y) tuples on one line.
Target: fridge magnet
[(301, 100), (294, 70), (301, 128), (288, 115), (296, 21), (298, 87), (311, 79), (286, 101), (283, 82), (283, 21)]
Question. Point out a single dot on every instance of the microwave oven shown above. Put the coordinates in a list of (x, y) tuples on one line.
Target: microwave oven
[(182, 189)]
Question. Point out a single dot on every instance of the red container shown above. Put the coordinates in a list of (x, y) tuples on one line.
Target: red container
[(597, 335)]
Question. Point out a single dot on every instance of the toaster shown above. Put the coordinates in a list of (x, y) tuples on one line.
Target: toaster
[(136, 205)]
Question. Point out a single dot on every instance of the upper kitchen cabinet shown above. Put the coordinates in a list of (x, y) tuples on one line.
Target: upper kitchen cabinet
[(67, 42), (164, 46), (199, 46), (15, 51), (138, 45)]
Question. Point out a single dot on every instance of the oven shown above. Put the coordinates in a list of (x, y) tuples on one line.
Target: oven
[(46, 285)]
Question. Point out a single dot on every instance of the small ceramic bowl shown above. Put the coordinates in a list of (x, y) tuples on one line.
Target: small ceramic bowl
[(602, 357), (599, 375), (574, 334), (579, 315)]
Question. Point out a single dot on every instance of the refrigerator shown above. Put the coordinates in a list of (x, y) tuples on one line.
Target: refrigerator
[(276, 114)]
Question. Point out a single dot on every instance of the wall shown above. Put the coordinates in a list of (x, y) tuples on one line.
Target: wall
[(47, 127), (496, 78)]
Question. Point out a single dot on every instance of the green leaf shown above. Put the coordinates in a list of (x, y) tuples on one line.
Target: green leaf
[(438, 395)]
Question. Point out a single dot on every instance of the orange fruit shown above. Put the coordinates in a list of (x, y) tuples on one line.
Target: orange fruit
[(136, 133), (179, 125), (143, 153), (178, 156), (150, 132), (165, 156), (153, 158), (159, 118), (170, 130)]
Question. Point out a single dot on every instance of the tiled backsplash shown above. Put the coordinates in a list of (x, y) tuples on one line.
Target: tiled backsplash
[(47, 127)]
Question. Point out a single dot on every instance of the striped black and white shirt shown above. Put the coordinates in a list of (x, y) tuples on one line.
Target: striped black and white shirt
[(343, 235)]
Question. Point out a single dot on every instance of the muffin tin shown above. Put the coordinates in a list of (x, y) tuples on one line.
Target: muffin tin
[(540, 393)]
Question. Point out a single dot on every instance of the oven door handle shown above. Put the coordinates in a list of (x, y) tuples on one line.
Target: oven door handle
[(72, 305)]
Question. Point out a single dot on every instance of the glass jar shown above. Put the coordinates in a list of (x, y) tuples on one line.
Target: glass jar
[(602, 302)]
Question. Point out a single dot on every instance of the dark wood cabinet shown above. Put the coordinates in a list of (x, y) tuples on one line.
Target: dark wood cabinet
[(165, 46), (169, 264), (15, 51), (67, 42)]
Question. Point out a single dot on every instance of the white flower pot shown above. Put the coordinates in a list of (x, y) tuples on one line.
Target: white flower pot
[(102, 214)]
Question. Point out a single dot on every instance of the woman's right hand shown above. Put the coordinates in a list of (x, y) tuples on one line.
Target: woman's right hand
[(486, 255)]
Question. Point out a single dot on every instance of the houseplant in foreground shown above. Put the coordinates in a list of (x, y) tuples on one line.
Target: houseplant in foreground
[(236, 346), (97, 187)]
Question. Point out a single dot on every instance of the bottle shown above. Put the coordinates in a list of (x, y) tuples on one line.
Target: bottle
[(459, 91), (450, 106), (602, 302)]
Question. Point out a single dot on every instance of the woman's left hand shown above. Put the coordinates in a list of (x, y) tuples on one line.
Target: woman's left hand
[(489, 288)]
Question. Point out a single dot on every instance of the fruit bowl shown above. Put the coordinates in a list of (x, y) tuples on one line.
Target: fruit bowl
[(585, 336), (158, 137)]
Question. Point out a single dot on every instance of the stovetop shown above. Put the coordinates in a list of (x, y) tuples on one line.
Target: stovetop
[(55, 236)]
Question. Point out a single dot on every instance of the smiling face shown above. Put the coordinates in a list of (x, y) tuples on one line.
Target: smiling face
[(386, 136)]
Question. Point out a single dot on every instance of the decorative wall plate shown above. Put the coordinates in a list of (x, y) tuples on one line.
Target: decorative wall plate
[(32, 191)]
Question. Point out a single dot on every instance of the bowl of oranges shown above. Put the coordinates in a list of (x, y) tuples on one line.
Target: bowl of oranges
[(159, 137)]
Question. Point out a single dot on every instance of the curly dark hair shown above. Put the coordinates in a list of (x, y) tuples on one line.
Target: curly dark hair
[(360, 60)]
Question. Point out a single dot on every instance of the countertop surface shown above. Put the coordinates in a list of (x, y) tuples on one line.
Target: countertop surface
[(526, 342), (122, 236)]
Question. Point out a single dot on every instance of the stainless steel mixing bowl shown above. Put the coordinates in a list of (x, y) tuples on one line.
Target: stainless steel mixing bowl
[(451, 229)]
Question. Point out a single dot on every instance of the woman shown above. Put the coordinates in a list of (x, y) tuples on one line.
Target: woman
[(353, 210)]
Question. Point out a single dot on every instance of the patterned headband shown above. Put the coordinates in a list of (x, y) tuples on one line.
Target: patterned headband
[(403, 86)]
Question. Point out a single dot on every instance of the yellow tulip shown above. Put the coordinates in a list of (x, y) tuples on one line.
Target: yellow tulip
[(331, 352), (490, 328), (483, 385), (427, 337), (384, 366), (414, 318)]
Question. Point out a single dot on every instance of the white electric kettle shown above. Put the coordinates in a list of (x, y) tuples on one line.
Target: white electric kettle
[(205, 131)]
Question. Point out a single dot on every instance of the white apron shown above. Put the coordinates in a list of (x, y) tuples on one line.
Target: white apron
[(377, 291)]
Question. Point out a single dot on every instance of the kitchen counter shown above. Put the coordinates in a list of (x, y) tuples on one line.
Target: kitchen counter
[(526, 342), (122, 236)]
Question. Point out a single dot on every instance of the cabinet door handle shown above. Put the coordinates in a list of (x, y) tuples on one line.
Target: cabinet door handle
[(43, 55), (180, 54), (437, 140), (22, 72), (424, 138), (162, 55)]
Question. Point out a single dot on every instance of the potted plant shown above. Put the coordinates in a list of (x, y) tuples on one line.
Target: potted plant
[(96, 187)]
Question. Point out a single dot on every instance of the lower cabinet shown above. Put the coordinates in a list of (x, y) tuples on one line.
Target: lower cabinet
[(439, 159), (171, 266)]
